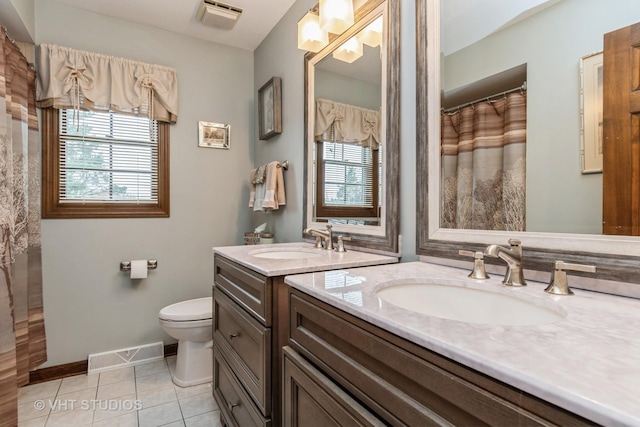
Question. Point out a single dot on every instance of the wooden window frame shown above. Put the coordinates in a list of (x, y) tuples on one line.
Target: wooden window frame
[(345, 211), (52, 208)]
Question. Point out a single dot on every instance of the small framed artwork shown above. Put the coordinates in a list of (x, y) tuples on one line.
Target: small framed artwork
[(214, 135), (270, 108), (591, 101)]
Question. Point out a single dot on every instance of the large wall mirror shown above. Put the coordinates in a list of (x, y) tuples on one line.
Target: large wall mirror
[(461, 43), (352, 130)]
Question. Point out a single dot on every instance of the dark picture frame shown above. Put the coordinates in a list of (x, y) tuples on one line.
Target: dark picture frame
[(270, 108)]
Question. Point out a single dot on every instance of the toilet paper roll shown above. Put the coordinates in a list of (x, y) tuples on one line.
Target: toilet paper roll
[(139, 269)]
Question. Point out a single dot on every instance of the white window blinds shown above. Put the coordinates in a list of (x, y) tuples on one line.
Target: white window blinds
[(107, 157), (348, 175)]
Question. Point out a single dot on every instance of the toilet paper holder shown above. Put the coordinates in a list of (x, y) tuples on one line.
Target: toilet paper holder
[(152, 264)]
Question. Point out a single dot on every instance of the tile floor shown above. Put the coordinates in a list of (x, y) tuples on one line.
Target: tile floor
[(141, 395)]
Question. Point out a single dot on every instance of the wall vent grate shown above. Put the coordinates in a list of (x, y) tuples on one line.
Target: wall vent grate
[(115, 359)]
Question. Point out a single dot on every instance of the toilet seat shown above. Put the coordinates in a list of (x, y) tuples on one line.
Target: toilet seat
[(188, 311)]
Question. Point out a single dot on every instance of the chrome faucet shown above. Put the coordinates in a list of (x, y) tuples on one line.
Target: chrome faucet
[(514, 276), (326, 235)]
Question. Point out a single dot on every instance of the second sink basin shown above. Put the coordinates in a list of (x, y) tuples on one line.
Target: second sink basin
[(286, 254), (469, 304)]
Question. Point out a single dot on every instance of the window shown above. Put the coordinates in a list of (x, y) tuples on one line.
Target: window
[(104, 165), (347, 181)]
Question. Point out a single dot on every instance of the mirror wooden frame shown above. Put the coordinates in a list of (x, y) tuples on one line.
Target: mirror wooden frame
[(389, 242), (539, 252)]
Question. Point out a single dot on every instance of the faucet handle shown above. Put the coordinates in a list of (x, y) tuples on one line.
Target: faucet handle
[(479, 272), (341, 240), (559, 284), (516, 245)]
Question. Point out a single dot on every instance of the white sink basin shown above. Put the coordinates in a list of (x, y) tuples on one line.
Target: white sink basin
[(469, 305), (286, 254)]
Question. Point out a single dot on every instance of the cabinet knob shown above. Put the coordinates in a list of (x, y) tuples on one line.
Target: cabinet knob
[(233, 335), (232, 405)]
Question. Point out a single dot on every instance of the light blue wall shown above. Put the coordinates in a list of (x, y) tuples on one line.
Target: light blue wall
[(339, 88), (559, 197), (278, 55), (18, 17), (90, 306)]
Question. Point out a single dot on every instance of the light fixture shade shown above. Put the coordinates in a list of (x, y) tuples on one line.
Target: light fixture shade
[(336, 15), (372, 33), (349, 51), (310, 36)]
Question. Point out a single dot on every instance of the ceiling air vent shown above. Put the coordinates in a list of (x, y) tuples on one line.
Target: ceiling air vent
[(218, 15)]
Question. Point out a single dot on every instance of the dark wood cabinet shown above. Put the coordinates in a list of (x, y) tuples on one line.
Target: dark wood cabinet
[(312, 400), (236, 407), (248, 334), (400, 382)]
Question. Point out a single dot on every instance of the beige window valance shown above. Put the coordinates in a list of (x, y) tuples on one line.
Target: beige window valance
[(70, 78), (339, 122)]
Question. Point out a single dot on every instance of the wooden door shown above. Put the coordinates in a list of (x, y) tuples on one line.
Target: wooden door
[(621, 131)]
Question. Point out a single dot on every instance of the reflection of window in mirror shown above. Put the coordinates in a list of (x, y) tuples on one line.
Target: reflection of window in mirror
[(347, 163), (347, 181)]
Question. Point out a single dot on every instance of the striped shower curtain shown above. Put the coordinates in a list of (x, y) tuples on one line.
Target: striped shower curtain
[(22, 338), (483, 153)]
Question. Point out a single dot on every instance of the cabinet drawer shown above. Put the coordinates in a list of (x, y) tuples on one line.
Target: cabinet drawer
[(236, 407), (246, 345), (311, 399), (404, 383), (250, 290)]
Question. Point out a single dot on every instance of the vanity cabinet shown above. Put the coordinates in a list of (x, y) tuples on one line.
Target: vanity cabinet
[(398, 382), (247, 338)]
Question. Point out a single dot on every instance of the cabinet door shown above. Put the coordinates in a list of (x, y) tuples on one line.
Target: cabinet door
[(236, 407), (311, 399), (246, 345)]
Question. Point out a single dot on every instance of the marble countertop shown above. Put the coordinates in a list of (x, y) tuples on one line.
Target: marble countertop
[(318, 260), (588, 362)]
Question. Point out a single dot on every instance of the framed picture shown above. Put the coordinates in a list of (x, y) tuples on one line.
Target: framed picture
[(591, 113), (214, 135), (270, 108)]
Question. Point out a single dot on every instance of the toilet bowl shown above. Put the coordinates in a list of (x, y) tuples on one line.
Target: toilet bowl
[(190, 323)]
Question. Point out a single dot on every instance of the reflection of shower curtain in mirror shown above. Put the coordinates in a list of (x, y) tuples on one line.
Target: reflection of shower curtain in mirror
[(483, 149)]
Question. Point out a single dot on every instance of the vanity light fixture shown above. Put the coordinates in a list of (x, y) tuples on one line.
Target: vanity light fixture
[(333, 16), (336, 15), (310, 36), (349, 51), (372, 33)]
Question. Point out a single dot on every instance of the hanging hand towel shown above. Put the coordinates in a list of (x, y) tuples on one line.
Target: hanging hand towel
[(256, 191), (252, 187), (260, 174), (274, 195)]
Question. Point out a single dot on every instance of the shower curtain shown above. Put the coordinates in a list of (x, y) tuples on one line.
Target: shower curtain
[(22, 336), (483, 153)]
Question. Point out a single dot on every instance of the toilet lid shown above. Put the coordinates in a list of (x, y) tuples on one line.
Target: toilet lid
[(193, 309)]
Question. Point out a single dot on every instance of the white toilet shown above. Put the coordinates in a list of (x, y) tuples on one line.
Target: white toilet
[(190, 323)]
